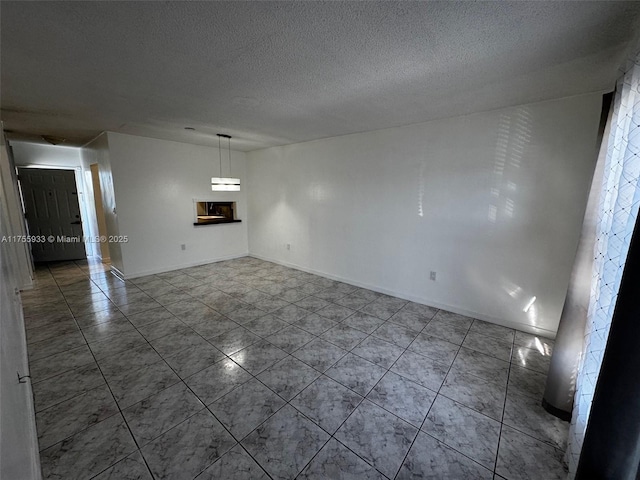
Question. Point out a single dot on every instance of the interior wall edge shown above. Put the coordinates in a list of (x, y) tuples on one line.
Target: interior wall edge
[(155, 197), (19, 455), (412, 298), (29, 404), (172, 268), (426, 123)]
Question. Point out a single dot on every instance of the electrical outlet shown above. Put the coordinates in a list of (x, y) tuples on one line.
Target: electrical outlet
[(432, 275), (288, 246), (183, 246)]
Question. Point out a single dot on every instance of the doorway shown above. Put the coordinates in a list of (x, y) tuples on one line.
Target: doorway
[(52, 212)]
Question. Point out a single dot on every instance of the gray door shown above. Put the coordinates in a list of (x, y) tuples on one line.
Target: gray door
[(53, 212)]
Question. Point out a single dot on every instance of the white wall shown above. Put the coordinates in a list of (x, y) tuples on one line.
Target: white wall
[(43, 156), (19, 457), (155, 184), (493, 202)]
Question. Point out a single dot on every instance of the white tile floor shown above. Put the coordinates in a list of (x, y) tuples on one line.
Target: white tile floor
[(245, 369)]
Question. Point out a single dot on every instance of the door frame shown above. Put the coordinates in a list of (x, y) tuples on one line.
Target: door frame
[(16, 213), (82, 198)]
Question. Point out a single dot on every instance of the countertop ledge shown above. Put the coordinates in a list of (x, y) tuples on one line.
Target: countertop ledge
[(216, 222)]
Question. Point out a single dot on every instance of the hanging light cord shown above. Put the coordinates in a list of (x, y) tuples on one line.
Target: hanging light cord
[(229, 140), (228, 137), (220, 155)]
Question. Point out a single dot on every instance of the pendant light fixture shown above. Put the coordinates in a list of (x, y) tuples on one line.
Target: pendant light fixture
[(224, 184)]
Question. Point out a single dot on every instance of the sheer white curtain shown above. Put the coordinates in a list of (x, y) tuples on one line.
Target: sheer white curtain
[(617, 212)]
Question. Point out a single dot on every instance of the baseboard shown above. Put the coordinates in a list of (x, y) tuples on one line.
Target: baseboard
[(117, 273), (425, 301), (27, 286), (155, 271), (556, 412)]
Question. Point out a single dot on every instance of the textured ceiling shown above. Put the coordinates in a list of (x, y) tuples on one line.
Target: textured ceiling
[(273, 73)]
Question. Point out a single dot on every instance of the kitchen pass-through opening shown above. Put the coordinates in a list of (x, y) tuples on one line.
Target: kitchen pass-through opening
[(215, 212)]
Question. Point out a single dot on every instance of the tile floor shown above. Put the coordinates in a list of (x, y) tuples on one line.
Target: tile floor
[(245, 369)]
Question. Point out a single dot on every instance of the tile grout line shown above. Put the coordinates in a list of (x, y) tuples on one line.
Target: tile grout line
[(288, 402), (205, 406), (113, 396), (98, 366), (404, 459), (364, 397), (162, 357), (239, 442), (117, 406), (349, 351), (373, 388), (504, 406), (438, 393), (61, 352), (290, 354)]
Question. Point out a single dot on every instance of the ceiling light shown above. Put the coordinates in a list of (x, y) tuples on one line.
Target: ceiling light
[(220, 184), (224, 184)]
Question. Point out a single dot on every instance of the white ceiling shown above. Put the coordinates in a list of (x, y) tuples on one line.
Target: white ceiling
[(273, 73)]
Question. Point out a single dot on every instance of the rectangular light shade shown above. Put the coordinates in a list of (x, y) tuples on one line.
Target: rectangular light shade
[(225, 184)]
